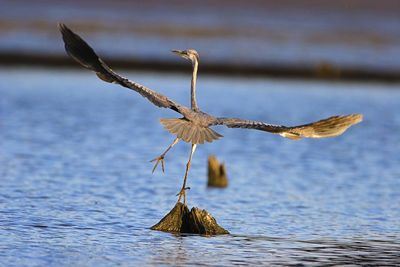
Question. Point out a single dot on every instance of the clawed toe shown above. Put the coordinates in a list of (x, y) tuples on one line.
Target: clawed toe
[(160, 158), (182, 193)]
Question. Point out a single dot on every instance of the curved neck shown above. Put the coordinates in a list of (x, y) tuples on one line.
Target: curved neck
[(193, 86)]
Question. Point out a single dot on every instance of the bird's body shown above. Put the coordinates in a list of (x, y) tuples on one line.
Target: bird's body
[(194, 126)]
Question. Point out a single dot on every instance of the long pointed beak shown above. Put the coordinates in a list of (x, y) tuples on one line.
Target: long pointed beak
[(178, 52)]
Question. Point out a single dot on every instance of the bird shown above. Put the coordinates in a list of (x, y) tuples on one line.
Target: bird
[(194, 125)]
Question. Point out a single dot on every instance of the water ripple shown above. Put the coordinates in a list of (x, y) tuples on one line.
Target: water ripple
[(77, 187)]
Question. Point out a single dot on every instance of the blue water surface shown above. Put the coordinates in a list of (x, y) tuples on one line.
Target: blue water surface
[(77, 189)]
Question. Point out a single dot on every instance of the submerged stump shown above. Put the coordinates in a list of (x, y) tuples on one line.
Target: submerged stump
[(216, 173), (195, 221)]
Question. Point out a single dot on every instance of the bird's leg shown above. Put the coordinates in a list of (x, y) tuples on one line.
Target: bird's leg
[(182, 192), (161, 158)]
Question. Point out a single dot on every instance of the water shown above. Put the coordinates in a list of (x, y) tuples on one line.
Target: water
[(76, 184)]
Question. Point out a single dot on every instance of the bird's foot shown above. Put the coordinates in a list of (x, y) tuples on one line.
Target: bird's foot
[(182, 193), (160, 158)]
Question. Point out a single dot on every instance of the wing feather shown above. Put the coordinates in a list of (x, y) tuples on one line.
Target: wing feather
[(81, 52), (329, 127)]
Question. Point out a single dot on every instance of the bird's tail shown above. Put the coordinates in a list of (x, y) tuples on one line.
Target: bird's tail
[(189, 132)]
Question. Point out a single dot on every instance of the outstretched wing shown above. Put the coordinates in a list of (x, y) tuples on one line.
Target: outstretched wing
[(81, 52), (329, 127)]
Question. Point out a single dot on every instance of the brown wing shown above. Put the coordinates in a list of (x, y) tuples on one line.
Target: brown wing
[(329, 127), (81, 52)]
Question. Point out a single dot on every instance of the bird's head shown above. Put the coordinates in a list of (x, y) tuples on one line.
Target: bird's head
[(189, 54)]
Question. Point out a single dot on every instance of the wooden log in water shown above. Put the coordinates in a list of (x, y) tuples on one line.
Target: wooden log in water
[(216, 173), (195, 221)]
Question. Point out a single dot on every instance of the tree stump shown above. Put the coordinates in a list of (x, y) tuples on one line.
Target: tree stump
[(216, 173), (195, 221)]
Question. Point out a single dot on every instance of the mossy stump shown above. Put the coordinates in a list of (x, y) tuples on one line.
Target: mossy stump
[(216, 173), (195, 221)]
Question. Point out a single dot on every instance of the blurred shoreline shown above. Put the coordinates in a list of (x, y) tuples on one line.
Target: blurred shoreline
[(350, 40), (322, 71)]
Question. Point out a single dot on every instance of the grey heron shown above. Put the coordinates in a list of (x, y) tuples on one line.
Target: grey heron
[(194, 126)]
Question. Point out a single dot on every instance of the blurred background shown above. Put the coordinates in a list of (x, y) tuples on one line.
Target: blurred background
[(76, 187), (346, 38)]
